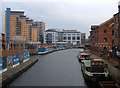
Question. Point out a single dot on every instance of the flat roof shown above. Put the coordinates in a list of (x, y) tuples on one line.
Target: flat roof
[(16, 11), (98, 60)]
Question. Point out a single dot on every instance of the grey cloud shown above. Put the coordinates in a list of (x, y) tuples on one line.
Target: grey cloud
[(65, 15)]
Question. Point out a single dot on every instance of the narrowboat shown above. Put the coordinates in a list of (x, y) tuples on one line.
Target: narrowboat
[(94, 70), (83, 56)]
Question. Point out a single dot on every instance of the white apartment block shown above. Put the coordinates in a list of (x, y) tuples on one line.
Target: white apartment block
[(52, 36)]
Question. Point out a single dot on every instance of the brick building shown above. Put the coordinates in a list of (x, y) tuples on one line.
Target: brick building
[(101, 36), (106, 36), (83, 38), (116, 32)]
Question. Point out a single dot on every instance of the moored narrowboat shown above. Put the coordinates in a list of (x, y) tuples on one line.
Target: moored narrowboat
[(83, 56), (94, 70)]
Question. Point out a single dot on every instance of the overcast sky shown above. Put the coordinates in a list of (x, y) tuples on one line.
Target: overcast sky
[(65, 14)]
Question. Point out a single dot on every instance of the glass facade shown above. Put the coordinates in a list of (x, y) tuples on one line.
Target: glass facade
[(49, 38), (8, 25)]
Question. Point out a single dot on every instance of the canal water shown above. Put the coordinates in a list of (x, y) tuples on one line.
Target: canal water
[(60, 68)]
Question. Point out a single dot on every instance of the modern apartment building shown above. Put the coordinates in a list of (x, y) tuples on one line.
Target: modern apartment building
[(17, 24), (72, 36), (40, 29), (52, 36)]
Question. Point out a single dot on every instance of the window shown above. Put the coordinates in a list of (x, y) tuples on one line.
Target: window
[(69, 38), (73, 38), (78, 38), (105, 39), (105, 31), (101, 63), (106, 25), (93, 63), (64, 38), (97, 63)]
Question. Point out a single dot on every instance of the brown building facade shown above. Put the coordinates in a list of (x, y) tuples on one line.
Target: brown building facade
[(16, 24), (40, 29), (101, 36)]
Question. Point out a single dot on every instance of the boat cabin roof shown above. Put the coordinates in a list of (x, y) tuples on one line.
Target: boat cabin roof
[(83, 54), (98, 60), (88, 63)]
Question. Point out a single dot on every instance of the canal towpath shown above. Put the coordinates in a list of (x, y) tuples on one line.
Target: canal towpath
[(13, 73)]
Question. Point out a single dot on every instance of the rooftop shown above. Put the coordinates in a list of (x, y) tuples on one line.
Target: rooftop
[(16, 11)]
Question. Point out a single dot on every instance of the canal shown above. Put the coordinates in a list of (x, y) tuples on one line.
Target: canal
[(60, 68)]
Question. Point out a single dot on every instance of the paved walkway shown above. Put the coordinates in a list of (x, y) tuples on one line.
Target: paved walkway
[(12, 73), (114, 72)]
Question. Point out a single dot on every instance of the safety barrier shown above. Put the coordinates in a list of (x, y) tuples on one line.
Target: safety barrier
[(13, 60), (50, 49)]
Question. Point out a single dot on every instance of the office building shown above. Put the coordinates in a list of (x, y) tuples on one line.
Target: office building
[(53, 36)]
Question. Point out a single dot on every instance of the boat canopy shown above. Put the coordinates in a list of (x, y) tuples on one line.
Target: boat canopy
[(87, 63)]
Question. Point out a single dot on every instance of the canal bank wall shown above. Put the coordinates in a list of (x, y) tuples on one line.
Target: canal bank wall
[(12, 58), (46, 50), (51, 48), (13, 73), (114, 72)]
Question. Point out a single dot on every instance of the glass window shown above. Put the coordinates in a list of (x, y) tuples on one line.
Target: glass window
[(78, 38), (105, 39), (69, 38), (105, 31), (97, 63), (93, 63), (64, 38), (73, 38), (101, 63)]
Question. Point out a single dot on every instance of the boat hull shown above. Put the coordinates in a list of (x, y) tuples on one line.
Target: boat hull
[(95, 78)]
